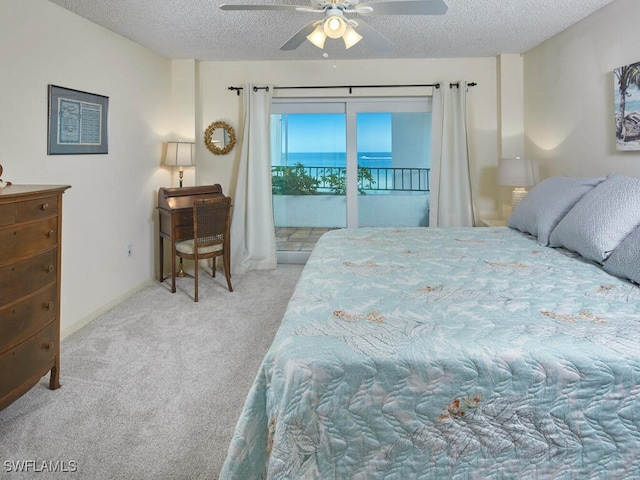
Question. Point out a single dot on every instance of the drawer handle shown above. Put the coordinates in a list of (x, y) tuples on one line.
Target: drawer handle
[(49, 268), (48, 306), (44, 206), (50, 233), (47, 346)]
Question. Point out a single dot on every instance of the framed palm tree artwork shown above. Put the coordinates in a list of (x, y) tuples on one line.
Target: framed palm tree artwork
[(627, 106)]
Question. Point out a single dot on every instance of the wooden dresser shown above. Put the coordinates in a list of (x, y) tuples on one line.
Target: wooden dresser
[(30, 241)]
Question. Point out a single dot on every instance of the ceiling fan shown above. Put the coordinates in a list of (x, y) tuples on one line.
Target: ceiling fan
[(335, 24)]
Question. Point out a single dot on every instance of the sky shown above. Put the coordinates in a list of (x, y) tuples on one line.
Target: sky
[(632, 102), (327, 132)]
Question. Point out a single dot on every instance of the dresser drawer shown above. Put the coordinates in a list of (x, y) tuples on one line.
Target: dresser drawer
[(38, 208), (19, 241), (21, 320), (22, 278), (7, 214), (29, 360)]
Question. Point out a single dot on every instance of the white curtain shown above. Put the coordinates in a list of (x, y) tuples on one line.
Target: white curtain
[(253, 238), (451, 198)]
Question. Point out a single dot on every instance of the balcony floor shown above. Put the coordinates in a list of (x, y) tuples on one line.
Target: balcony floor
[(298, 239)]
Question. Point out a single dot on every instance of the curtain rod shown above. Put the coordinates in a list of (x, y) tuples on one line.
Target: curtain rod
[(351, 87)]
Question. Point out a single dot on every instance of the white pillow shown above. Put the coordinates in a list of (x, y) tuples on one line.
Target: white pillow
[(625, 259), (601, 220), (544, 206)]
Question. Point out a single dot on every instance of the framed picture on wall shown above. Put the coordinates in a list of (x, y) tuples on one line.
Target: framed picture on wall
[(627, 105), (77, 122)]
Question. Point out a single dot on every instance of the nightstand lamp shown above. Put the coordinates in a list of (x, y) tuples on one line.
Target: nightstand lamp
[(519, 173), (180, 154)]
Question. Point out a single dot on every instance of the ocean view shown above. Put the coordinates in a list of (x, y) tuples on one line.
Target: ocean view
[(336, 159)]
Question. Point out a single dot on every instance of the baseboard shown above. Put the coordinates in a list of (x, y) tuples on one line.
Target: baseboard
[(105, 308)]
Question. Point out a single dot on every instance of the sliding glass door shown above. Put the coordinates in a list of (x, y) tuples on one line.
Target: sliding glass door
[(347, 163), (393, 145)]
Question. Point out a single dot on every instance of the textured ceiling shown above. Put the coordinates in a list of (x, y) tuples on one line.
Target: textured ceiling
[(198, 29)]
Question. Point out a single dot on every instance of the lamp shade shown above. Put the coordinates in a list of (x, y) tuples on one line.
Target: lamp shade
[(317, 37), (517, 172), (179, 154), (351, 37), (334, 26)]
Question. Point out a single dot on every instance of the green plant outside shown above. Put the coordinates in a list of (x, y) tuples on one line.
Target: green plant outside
[(338, 183), (295, 181)]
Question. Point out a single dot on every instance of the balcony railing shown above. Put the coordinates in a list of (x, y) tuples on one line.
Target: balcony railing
[(321, 180)]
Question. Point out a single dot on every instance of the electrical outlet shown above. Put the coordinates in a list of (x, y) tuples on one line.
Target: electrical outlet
[(129, 249)]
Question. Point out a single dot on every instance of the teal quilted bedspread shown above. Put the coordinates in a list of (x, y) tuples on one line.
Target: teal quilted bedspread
[(454, 353)]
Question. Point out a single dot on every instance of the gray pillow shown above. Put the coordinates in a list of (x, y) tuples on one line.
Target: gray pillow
[(625, 259), (544, 206), (601, 220)]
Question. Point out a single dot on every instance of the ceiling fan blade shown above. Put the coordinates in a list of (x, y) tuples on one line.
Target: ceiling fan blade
[(300, 36), (372, 37), (226, 6), (405, 7)]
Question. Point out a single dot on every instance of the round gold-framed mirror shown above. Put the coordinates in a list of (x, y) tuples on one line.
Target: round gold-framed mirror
[(219, 137)]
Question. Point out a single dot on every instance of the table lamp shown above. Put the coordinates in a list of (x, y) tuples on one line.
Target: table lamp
[(180, 154), (519, 173)]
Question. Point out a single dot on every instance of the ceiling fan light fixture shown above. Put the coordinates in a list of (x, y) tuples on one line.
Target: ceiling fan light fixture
[(317, 37), (351, 37), (335, 26)]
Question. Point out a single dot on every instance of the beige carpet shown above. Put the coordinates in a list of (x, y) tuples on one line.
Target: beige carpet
[(153, 388)]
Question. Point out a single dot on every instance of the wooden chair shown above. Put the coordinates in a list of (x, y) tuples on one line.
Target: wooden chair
[(211, 224)]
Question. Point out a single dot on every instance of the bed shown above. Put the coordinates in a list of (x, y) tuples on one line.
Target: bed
[(420, 353)]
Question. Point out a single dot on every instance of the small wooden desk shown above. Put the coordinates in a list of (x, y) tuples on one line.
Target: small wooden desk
[(175, 209)]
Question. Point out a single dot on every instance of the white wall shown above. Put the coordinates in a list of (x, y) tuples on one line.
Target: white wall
[(184, 97), (568, 84), (218, 103), (111, 201)]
